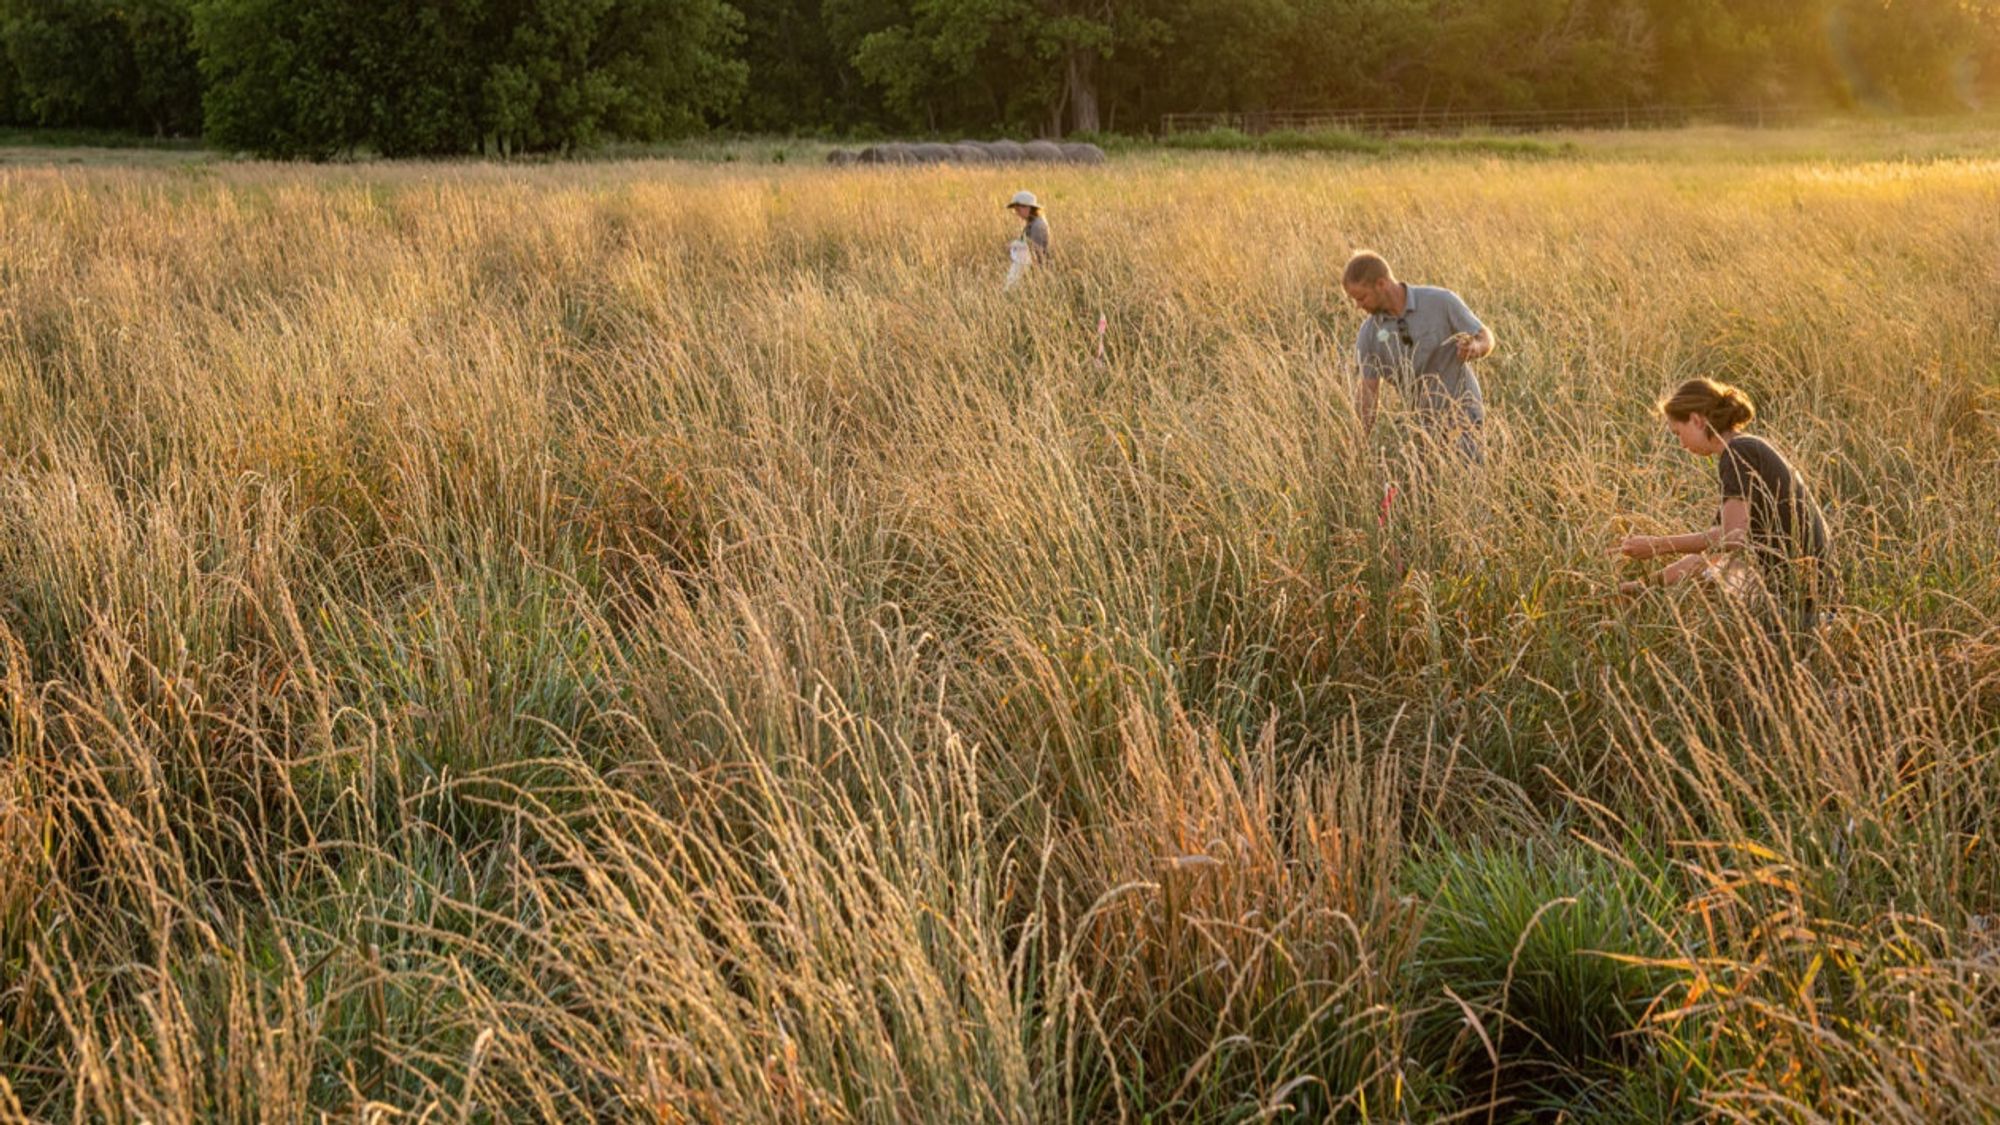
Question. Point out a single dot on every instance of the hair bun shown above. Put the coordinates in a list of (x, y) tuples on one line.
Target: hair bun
[(1724, 407), (1733, 408)]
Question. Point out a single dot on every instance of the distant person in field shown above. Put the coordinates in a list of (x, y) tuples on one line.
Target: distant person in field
[(1033, 245), (1421, 339), (1035, 231), (1767, 512)]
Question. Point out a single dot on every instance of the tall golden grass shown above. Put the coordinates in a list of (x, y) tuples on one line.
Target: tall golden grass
[(649, 642)]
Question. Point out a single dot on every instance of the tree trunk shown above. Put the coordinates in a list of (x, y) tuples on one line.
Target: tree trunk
[(1080, 91)]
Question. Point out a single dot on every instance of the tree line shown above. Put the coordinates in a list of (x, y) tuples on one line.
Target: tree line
[(434, 77)]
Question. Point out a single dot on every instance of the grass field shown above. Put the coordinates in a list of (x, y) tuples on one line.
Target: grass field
[(671, 642)]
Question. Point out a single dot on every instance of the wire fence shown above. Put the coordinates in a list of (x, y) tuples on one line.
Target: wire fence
[(1421, 120)]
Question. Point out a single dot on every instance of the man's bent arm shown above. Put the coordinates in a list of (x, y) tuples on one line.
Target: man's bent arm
[(1364, 403)]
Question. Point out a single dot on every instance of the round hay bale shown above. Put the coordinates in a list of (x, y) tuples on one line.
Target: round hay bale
[(932, 153), (1082, 152), (971, 152), (1043, 152), (1006, 150), (840, 158)]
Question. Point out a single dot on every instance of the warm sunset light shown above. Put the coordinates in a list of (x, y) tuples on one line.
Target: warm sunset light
[(912, 561)]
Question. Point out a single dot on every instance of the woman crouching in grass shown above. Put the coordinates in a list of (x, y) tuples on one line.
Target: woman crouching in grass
[(1767, 511)]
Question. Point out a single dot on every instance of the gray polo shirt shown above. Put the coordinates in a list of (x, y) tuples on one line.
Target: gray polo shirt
[(1426, 371)]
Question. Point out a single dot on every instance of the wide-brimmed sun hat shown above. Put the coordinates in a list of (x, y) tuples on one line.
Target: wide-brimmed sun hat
[(1024, 199)]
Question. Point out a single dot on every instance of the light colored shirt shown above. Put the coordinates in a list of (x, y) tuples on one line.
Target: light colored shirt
[(1417, 353)]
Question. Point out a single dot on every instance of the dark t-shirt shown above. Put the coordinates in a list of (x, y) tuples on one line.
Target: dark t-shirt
[(1785, 523)]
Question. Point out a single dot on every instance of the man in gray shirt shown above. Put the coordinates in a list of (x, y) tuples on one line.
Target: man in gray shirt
[(1421, 339)]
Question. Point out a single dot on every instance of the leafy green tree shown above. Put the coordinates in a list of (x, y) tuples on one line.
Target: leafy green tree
[(1741, 51), (972, 63), (282, 76), (423, 72), (570, 71), (934, 61), (1222, 56), (318, 77), (416, 77), (1915, 54), (74, 65), (1360, 53), (1534, 54), (798, 78), (11, 111), (166, 91), (103, 63)]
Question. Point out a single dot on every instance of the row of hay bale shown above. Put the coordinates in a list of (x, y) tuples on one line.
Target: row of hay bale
[(972, 152)]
